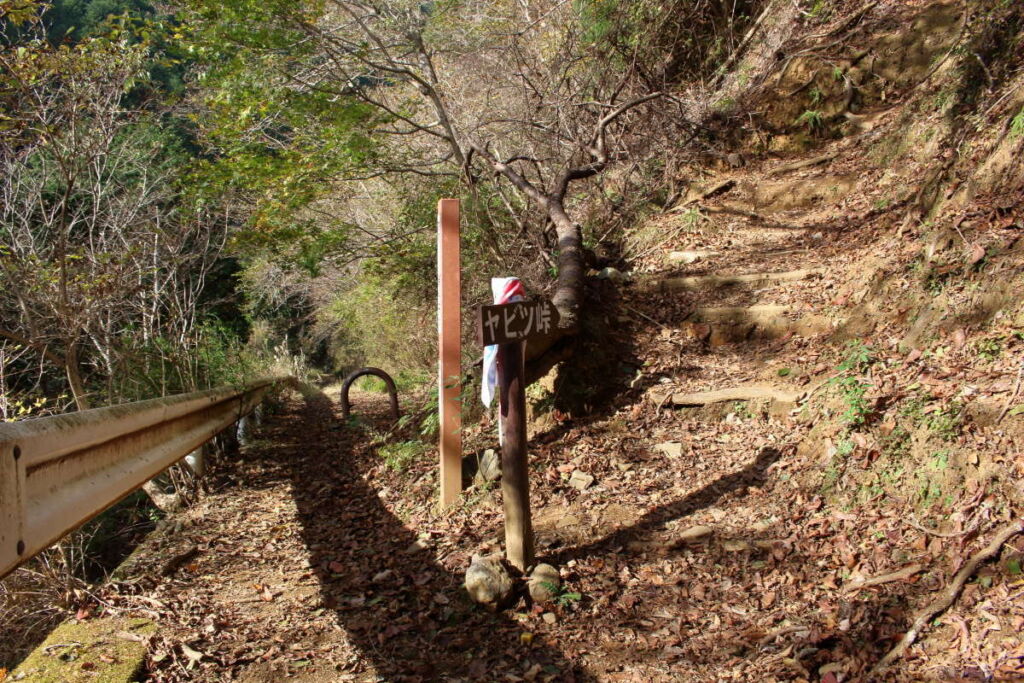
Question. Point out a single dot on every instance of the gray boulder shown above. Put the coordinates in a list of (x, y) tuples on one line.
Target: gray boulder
[(488, 582), (544, 583)]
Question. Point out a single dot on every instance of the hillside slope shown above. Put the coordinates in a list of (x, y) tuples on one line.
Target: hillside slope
[(800, 406)]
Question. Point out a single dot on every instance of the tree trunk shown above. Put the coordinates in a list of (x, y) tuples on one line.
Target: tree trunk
[(75, 378), (569, 289)]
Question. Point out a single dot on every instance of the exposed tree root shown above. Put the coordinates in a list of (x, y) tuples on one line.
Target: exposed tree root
[(948, 595), (900, 575)]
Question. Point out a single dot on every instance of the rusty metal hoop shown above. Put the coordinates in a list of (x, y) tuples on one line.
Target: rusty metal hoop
[(376, 372)]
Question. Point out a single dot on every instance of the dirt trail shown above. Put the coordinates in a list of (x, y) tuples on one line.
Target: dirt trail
[(301, 571), (700, 553)]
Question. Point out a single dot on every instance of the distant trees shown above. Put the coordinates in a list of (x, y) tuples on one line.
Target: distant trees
[(103, 266), (323, 132)]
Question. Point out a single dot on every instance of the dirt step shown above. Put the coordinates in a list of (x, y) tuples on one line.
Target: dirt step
[(698, 282), (747, 392), (722, 325), (688, 257), (778, 400)]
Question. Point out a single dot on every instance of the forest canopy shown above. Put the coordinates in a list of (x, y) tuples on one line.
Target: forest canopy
[(188, 187)]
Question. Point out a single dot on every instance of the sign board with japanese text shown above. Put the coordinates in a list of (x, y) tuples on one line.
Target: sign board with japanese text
[(517, 321)]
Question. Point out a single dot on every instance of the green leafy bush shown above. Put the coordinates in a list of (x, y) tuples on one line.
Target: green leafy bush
[(398, 456)]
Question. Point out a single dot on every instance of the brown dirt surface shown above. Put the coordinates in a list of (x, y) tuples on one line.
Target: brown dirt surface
[(742, 543)]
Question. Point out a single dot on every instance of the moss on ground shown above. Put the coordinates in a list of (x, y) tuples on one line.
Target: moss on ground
[(107, 650)]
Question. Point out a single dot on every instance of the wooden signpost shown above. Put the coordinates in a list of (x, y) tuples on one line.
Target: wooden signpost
[(516, 322), (509, 326), (449, 328)]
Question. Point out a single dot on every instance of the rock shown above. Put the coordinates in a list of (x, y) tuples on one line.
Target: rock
[(544, 583), (489, 467), (612, 274), (549, 617), (672, 449), (938, 243), (695, 534), (580, 480), (488, 582), (735, 546), (417, 545), (481, 468)]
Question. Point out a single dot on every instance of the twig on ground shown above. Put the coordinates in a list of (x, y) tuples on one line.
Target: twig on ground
[(948, 596), (938, 534), (647, 317), (779, 632), (1013, 397)]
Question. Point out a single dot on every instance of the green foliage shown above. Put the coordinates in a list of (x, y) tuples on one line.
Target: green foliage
[(831, 477), (859, 357), (1017, 125), (853, 392), (742, 410), (278, 146), (812, 119), (671, 40), (851, 387), (398, 456), (562, 596), (77, 19), (692, 218), (372, 325), (947, 421), (990, 348), (371, 384), (725, 105), (819, 9), (897, 443), (213, 355), (929, 490)]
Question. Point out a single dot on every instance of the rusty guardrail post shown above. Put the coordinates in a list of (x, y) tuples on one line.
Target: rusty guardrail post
[(376, 372)]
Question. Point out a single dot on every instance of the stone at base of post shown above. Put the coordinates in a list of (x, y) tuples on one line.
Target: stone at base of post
[(515, 480), (196, 461)]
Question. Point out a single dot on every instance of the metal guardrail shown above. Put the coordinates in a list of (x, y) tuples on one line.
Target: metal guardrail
[(59, 472)]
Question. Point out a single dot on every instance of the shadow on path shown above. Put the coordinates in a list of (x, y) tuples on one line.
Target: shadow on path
[(414, 621), (754, 474)]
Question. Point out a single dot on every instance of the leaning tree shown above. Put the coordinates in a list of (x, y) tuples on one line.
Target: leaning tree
[(503, 95)]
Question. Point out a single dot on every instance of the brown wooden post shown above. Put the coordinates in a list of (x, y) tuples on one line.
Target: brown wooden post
[(508, 326), (449, 323), (515, 479)]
